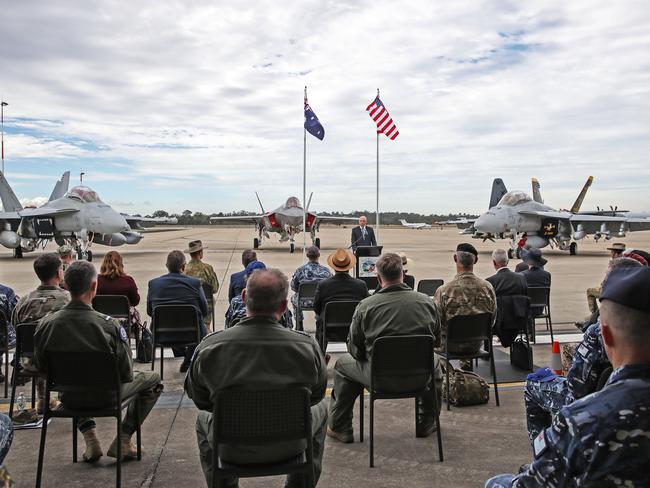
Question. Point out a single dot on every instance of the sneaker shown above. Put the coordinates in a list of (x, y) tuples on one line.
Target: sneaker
[(344, 437)]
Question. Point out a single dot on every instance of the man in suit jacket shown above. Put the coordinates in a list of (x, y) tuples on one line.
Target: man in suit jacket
[(339, 287), (238, 280), (176, 288), (536, 275), (504, 281), (362, 235)]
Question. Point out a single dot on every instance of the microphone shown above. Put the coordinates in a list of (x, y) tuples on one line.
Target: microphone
[(351, 245)]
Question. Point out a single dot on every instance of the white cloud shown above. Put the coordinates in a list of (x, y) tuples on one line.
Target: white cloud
[(194, 93)]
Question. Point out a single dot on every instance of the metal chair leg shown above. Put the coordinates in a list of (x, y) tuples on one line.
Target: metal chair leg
[(371, 452), (138, 431), (33, 391), (437, 413), (448, 393), (162, 361), (7, 365), (13, 395), (361, 401), (118, 477), (494, 376), (75, 427), (41, 449)]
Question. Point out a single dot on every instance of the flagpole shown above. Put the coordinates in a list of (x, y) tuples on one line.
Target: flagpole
[(377, 189), (304, 187)]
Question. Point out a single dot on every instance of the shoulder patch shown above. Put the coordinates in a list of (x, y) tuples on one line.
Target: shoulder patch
[(123, 335), (539, 444)]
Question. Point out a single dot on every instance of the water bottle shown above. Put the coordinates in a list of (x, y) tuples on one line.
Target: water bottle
[(20, 402)]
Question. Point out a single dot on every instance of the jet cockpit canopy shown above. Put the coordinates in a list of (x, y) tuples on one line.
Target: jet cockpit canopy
[(83, 194), (515, 197), (292, 202)]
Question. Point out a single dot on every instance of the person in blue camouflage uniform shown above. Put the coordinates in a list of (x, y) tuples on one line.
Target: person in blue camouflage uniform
[(6, 437), (312, 271), (8, 301), (603, 439), (237, 309), (546, 394)]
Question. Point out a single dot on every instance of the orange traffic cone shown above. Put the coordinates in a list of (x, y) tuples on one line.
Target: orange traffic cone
[(556, 359)]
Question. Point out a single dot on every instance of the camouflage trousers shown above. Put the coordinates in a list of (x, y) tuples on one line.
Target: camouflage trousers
[(204, 437), (592, 298), (543, 400), (500, 481), (568, 350)]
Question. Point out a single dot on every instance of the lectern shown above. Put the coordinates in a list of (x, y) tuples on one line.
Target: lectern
[(365, 269)]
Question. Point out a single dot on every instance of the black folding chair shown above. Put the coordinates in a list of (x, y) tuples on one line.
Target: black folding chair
[(24, 347), (540, 304), (336, 320), (118, 307), (4, 324), (471, 328), (95, 377), (306, 294), (173, 326), (262, 419), (209, 296), (401, 367), (429, 287)]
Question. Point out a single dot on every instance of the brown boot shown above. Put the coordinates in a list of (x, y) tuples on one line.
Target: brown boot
[(93, 448), (129, 451), (40, 403)]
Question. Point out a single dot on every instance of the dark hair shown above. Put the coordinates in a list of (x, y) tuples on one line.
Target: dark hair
[(266, 289), (248, 256), (47, 266), (175, 261), (79, 276), (389, 266)]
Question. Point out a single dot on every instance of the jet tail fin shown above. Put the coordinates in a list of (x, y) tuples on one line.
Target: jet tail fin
[(309, 202), (581, 196), (537, 195), (498, 190), (61, 187), (402, 221), (260, 202), (10, 202)]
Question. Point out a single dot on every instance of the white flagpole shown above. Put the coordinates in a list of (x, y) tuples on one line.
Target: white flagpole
[(304, 188), (377, 189)]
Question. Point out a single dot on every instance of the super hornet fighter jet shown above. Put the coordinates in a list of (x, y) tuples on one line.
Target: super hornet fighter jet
[(517, 213), (287, 221), (77, 217)]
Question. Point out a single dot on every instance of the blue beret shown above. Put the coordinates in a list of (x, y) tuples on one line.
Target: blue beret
[(629, 287), (252, 266)]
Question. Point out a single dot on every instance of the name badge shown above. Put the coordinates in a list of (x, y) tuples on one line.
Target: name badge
[(539, 445)]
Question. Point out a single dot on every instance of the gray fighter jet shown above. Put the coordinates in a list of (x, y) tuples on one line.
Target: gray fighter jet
[(287, 221), (517, 214), (77, 217)]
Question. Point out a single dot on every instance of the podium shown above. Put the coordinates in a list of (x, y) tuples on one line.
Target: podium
[(365, 269)]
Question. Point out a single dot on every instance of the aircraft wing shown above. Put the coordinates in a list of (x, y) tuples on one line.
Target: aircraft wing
[(130, 219), (46, 212), (592, 223), (336, 220), (547, 214), (254, 219), (460, 223), (9, 216)]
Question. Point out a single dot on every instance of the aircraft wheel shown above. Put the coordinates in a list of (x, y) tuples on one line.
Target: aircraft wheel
[(292, 247), (317, 242), (510, 254), (573, 248), (80, 255), (256, 243), (18, 252), (89, 256), (518, 253)]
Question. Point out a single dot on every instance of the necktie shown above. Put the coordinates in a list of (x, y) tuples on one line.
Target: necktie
[(364, 234)]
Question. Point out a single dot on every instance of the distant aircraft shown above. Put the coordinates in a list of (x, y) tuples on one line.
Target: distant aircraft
[(77, 217), (517, 213), (286, 220), (413, 225)]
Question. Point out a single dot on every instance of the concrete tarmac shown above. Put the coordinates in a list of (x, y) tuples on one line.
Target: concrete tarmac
[(479, 441)]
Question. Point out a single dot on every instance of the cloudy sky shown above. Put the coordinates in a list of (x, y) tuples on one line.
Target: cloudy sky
[(195, 104)]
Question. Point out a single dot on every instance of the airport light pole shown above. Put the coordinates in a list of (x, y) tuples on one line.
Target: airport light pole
[(3, 104)]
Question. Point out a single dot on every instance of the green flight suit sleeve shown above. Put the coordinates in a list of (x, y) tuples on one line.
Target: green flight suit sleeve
[(434, 325), (357, 337), (123, 352), (194, 385), (319, 389)]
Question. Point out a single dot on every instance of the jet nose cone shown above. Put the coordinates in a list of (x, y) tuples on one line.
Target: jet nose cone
[(488, 223)]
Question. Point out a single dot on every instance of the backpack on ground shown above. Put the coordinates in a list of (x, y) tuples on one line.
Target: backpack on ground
[(465, 387)]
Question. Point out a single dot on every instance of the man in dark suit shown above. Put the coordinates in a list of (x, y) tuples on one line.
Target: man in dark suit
[(504, 281), (362, 235), (339, 287), (176, 288), (238, 280)]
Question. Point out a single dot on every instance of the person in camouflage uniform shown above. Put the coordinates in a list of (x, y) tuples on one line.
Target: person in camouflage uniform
[(602, 439), (546, 394), (466, 294), (66, 253), (312, 271), (48, 297), (237, 308), (204, 272)]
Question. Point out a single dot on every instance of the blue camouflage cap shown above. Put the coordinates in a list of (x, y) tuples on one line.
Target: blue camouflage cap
[(629, 287), (252, 266)]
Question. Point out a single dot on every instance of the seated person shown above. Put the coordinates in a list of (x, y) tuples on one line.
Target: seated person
[(8, 300), (311, 271), (112, 280), (48, 297), (238, 279), (237, 308), (546, 394), (602, 439), (409, 280), (79, 328), (504, 281), (176, 288), (258, 352), (394, 310), (466, 294), (204, 272), (340, 287)]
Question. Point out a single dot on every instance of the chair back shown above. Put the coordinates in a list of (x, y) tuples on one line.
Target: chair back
[(25, 339), (306, 294), (116, 306), (429, 287), (470, 328), (337, 318), (175, 324), (539, 296), (401, 364)]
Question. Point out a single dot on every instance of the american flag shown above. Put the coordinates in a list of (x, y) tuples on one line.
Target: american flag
[(382, 118)]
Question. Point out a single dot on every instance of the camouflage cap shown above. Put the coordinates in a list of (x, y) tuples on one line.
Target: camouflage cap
[(64, 250)]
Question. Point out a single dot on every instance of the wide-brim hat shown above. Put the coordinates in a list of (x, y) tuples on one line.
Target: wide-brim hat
[(195, 246), (534, 257), (341, 260), (406, 261), (617, 246)]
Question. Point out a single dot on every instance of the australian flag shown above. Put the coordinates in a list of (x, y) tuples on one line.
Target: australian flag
[(312, 124)]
